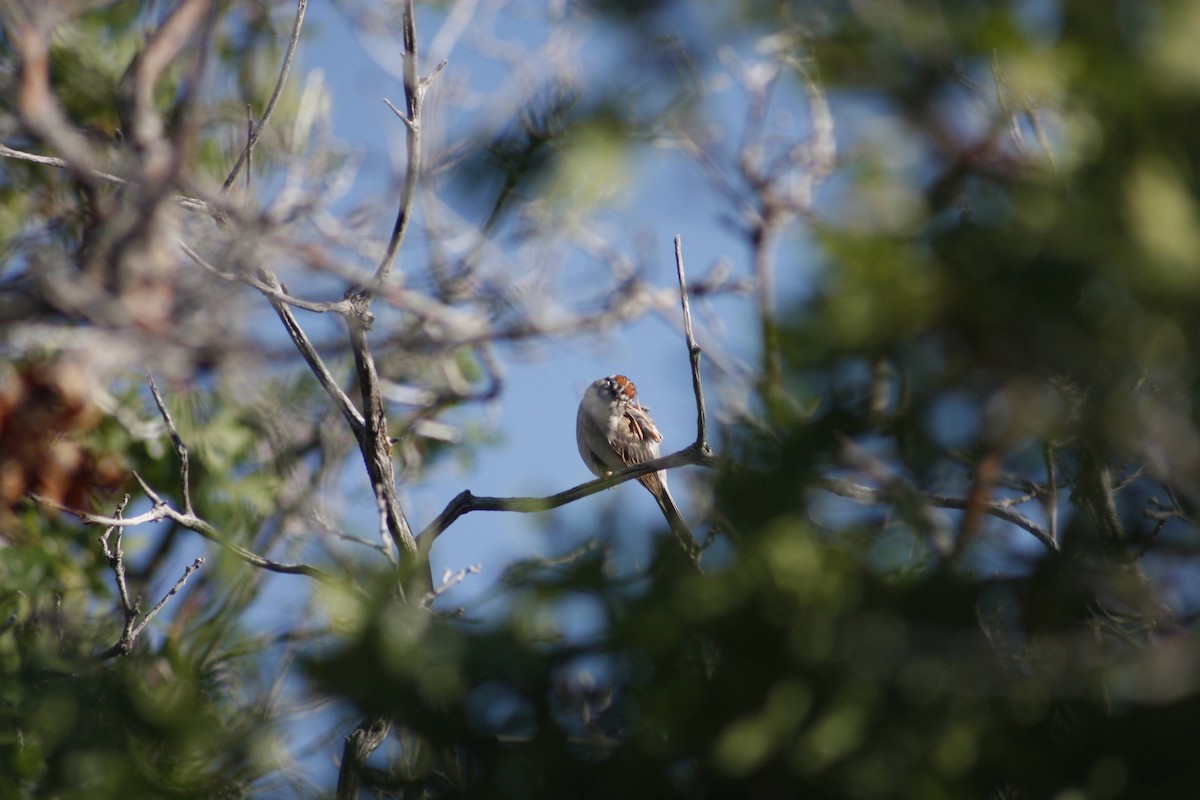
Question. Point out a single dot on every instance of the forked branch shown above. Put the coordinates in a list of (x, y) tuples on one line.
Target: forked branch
[(697, 454)]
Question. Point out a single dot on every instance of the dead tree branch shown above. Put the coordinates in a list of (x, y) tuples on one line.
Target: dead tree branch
[(284, 69), (995, 508), (693, 352), (465, 502), (414, 94), (132, 628)]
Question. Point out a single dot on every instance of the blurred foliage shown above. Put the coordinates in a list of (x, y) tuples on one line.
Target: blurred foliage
[(1040, 281), (1008, 317), (170, 719)]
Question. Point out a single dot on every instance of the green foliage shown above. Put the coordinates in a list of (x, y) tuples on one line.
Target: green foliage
[(796, 671), (148, 727), (169, 719)]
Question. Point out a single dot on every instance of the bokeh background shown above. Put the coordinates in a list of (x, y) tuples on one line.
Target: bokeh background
[(943, 262)]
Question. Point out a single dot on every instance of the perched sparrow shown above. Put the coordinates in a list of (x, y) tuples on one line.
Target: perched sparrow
[(613, 431)]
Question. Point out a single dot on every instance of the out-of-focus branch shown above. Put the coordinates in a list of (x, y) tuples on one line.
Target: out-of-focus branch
[(781, 172), (995, 508), (414, 93), (162, 510), (351, 414), (137, 87), (365, 739), (284, 69), (185, 490), (186, 518), (37, 106)]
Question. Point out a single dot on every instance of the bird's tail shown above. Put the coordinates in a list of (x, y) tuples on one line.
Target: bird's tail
[(683, 534)]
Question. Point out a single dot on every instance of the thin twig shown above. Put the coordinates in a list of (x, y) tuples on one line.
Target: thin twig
[(192, 203), (249, 146), (450, 579), (116, 562), (187, 573), (60, 163), (272, 289), (693, 351), (115, 555), (181, 450), (161, 510), (869, 494), (412, 124), (414, 93), (284, 69), (309, 352)]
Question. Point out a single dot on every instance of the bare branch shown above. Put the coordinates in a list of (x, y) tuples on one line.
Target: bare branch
[(869, 494), (191, 203), (187, 573), (450, 579), (693, 351), (272, 290), (414, 93), (162, 510), (51, 161), (285, 68), (185, 491), (300, 339), (116, 562), (465, 502), (373, 439), (137, 89), (115, 556)]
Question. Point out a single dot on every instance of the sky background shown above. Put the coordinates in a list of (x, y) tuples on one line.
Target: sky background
[(533, 420)]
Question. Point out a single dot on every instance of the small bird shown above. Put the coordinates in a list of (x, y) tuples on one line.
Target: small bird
[(613, 431)]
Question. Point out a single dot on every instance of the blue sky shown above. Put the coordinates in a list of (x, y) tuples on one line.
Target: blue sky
[(533, 420)]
